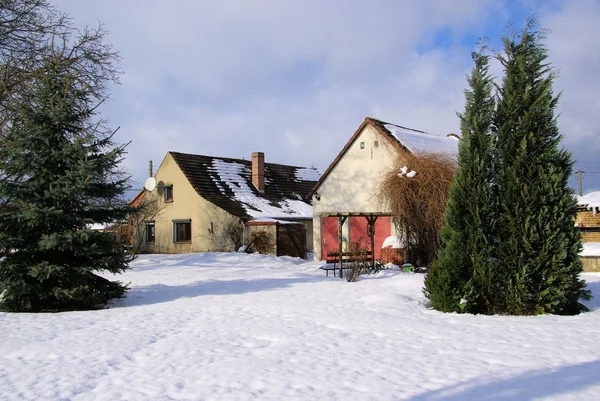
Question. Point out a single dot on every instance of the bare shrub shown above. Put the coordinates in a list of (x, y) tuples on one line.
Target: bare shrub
[(360, 264), (418, 201), (146, 207), (233, 231), (262, 242), (225, 233)]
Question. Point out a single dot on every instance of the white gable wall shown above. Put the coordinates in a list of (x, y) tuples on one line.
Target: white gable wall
[(353, 184)]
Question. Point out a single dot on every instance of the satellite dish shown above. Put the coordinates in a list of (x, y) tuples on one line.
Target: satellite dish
[(150, 184)]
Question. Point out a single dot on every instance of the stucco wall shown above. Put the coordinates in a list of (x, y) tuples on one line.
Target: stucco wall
[(187, 204), (270, 229), (353, 184), (309, 235)]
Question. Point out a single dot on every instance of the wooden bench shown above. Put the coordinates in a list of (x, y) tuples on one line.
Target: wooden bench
[(333, 258)]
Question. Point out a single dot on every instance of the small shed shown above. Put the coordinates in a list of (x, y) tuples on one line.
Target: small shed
[(287, 238)]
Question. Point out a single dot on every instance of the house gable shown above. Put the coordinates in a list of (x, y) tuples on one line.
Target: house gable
[(351, 182), (206, 219), (401, 138)]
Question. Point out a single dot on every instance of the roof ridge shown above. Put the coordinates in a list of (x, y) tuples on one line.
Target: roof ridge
[(243, 161), (383, 123)]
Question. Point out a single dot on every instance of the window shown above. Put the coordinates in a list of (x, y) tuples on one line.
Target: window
[(182, 230), (150, 231), (168, 193)]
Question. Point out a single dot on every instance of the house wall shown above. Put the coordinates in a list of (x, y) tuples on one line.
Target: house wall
[(309, 234), (591, 264), (589, 223), (186, 204), (270, 229), (353, 184)]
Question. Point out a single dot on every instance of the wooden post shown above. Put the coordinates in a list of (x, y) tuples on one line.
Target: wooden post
[(371, 220), (580, 182), (341, 220)]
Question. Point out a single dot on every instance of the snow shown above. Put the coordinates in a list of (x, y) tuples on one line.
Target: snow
[(590, 249), (404, 172), (307, 174), (220, 326), (591, 200), (393, 241), (422, 142), (272, 221), (257, 207), (97, 226)]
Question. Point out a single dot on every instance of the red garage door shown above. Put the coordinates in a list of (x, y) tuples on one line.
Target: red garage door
[(358, 232), (329, 235)]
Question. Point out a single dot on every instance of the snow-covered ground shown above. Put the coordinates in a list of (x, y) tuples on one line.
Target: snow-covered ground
[(241, 327)]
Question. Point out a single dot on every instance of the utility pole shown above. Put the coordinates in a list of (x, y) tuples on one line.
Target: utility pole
[(580, 183)]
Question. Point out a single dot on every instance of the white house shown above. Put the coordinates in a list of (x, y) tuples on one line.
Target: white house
[(346, 195)]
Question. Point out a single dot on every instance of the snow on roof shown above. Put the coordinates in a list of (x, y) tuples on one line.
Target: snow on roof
[(591, 200), (307, 174), (271, 221), (423, 142), (231, 173), (97, 226)]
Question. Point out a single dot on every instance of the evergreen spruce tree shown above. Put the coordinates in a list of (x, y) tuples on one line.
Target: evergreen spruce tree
[(60, 173), (539, 246), (462, 278)]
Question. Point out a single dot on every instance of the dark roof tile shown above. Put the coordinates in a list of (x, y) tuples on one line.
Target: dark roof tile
[(227, 183)]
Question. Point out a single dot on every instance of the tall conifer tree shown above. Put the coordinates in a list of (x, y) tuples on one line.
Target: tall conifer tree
[(462, 278), (538, 243), (60, 173)]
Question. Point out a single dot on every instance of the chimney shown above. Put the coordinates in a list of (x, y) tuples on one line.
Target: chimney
[(258, 171)]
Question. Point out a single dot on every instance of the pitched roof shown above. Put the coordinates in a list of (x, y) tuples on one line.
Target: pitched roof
[(402, 138), (137, 201), (416, 141), (227, 183)]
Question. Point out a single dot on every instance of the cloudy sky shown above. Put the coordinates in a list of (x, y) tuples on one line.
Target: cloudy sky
[(294, 79)]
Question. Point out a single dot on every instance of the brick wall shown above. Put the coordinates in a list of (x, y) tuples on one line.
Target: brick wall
[(391, 255), (587, 220)]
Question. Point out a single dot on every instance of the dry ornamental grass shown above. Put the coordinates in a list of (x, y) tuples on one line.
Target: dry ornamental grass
[(416, 192)]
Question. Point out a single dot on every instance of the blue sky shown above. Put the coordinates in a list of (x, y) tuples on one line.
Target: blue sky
[(294, 79)]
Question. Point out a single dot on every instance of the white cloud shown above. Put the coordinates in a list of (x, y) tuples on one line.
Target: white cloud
[(295, 78)]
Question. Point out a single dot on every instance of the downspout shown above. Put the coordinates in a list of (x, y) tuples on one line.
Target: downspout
[(243, 232)]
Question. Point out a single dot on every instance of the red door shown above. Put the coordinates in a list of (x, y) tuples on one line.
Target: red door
[(329, 235), (358, 232)]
